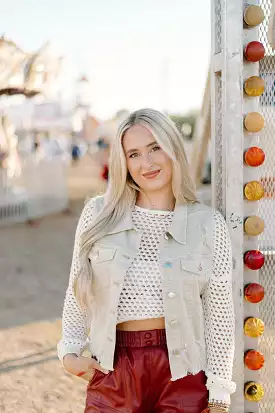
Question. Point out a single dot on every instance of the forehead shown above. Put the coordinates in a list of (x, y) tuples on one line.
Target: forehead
[(137, 136)]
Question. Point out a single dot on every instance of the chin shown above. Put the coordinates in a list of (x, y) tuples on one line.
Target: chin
[(154, 186)]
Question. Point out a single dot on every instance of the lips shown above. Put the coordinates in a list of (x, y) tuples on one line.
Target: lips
[(151, 175)]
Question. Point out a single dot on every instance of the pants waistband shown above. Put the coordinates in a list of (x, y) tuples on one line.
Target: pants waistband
[(146, 338)]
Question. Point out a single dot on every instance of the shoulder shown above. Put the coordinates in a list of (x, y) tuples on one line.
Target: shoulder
[(95, 203), (209, 218), (92, 207), (200, 213)]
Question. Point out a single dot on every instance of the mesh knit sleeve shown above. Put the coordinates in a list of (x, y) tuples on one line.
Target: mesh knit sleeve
[(74, 319), (219, 317)]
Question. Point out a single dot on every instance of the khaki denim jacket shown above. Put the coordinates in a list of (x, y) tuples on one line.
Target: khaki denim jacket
[(196, 266)]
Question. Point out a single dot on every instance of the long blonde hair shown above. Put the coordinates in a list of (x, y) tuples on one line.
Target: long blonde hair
[(122, 191)]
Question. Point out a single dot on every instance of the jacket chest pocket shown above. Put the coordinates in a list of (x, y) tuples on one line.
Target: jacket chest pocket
[(196, 269), (102, 261)]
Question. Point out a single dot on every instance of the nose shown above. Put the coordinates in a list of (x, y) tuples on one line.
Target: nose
[(147, 161)]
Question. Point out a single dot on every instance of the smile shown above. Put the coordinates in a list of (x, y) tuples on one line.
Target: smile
[(151, 175)]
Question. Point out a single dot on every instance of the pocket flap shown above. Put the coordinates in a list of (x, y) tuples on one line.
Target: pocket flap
[(199, 266), (98, 255)]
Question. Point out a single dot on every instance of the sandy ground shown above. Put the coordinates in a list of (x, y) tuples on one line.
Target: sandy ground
[(34, 267)]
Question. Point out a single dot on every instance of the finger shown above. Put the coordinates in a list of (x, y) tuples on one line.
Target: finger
[(87, 376), (93, 364), (88, 364)]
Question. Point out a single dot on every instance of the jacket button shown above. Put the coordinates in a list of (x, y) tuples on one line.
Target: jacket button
[(171, 294), (148, 335), (176, 353), (148, 343)]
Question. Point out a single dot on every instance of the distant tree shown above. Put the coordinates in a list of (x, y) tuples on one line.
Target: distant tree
[(121, 114), (185, 123)]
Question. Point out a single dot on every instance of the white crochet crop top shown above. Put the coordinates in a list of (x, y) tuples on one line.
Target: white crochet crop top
[(141, 296)]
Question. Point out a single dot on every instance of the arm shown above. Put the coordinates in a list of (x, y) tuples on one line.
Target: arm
[(75, 320), (219, 317)]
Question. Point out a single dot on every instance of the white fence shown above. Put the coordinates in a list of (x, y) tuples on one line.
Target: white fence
[(40, 190)]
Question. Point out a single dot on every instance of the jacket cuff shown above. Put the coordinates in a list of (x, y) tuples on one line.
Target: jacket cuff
[(69, 348), (219, 389), (218, 394)]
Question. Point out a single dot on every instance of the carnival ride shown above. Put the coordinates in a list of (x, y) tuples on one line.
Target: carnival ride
[(28, 75)]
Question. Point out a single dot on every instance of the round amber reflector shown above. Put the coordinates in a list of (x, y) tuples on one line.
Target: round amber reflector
[(254, 156), (254, 86), (253, 191), (253, 15), (254, 225), (254, 51), (254, 259), (254, 360), (254, 122), (253, 392), (254, 293), (253, 327)]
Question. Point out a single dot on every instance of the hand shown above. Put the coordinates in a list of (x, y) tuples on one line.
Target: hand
[(83, 367)]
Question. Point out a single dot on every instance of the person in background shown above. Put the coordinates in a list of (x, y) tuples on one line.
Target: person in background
[(104, 148), (75, 153), (150, 288)]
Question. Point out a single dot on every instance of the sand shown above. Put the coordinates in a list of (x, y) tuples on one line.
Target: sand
[(34, 268)]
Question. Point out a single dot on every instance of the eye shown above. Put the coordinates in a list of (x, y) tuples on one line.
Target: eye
[(155, 148), (133, 155)]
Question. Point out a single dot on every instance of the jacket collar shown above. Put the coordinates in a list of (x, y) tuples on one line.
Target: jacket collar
[(177, 229)]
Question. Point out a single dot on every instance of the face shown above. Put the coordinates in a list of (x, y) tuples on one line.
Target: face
[(147, 163)]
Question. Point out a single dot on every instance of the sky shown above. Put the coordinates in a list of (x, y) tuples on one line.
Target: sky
[(135, 53)]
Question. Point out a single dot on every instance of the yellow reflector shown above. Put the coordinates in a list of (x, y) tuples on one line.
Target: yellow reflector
[(253, 391), (254, 226), (253, 15), (254, 122), (254, 86), (253, 191), (253, 327)]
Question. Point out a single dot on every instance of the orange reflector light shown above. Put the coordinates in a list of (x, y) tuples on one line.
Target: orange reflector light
[(254, 360), (253, 391), (254, 156), (253, 191), (254, 259), (254, 293), (253, 327), (254, 86), (254, 51), (253, 15)]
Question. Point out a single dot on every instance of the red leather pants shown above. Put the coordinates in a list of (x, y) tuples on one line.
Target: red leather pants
[(140, 382)]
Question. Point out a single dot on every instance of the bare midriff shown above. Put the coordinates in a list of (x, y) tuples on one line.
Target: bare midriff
[(142, 325)]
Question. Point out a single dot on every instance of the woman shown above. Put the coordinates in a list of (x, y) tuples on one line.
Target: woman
[(150, 284)]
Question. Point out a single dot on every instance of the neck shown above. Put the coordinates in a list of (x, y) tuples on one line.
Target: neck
[(163, 201)]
